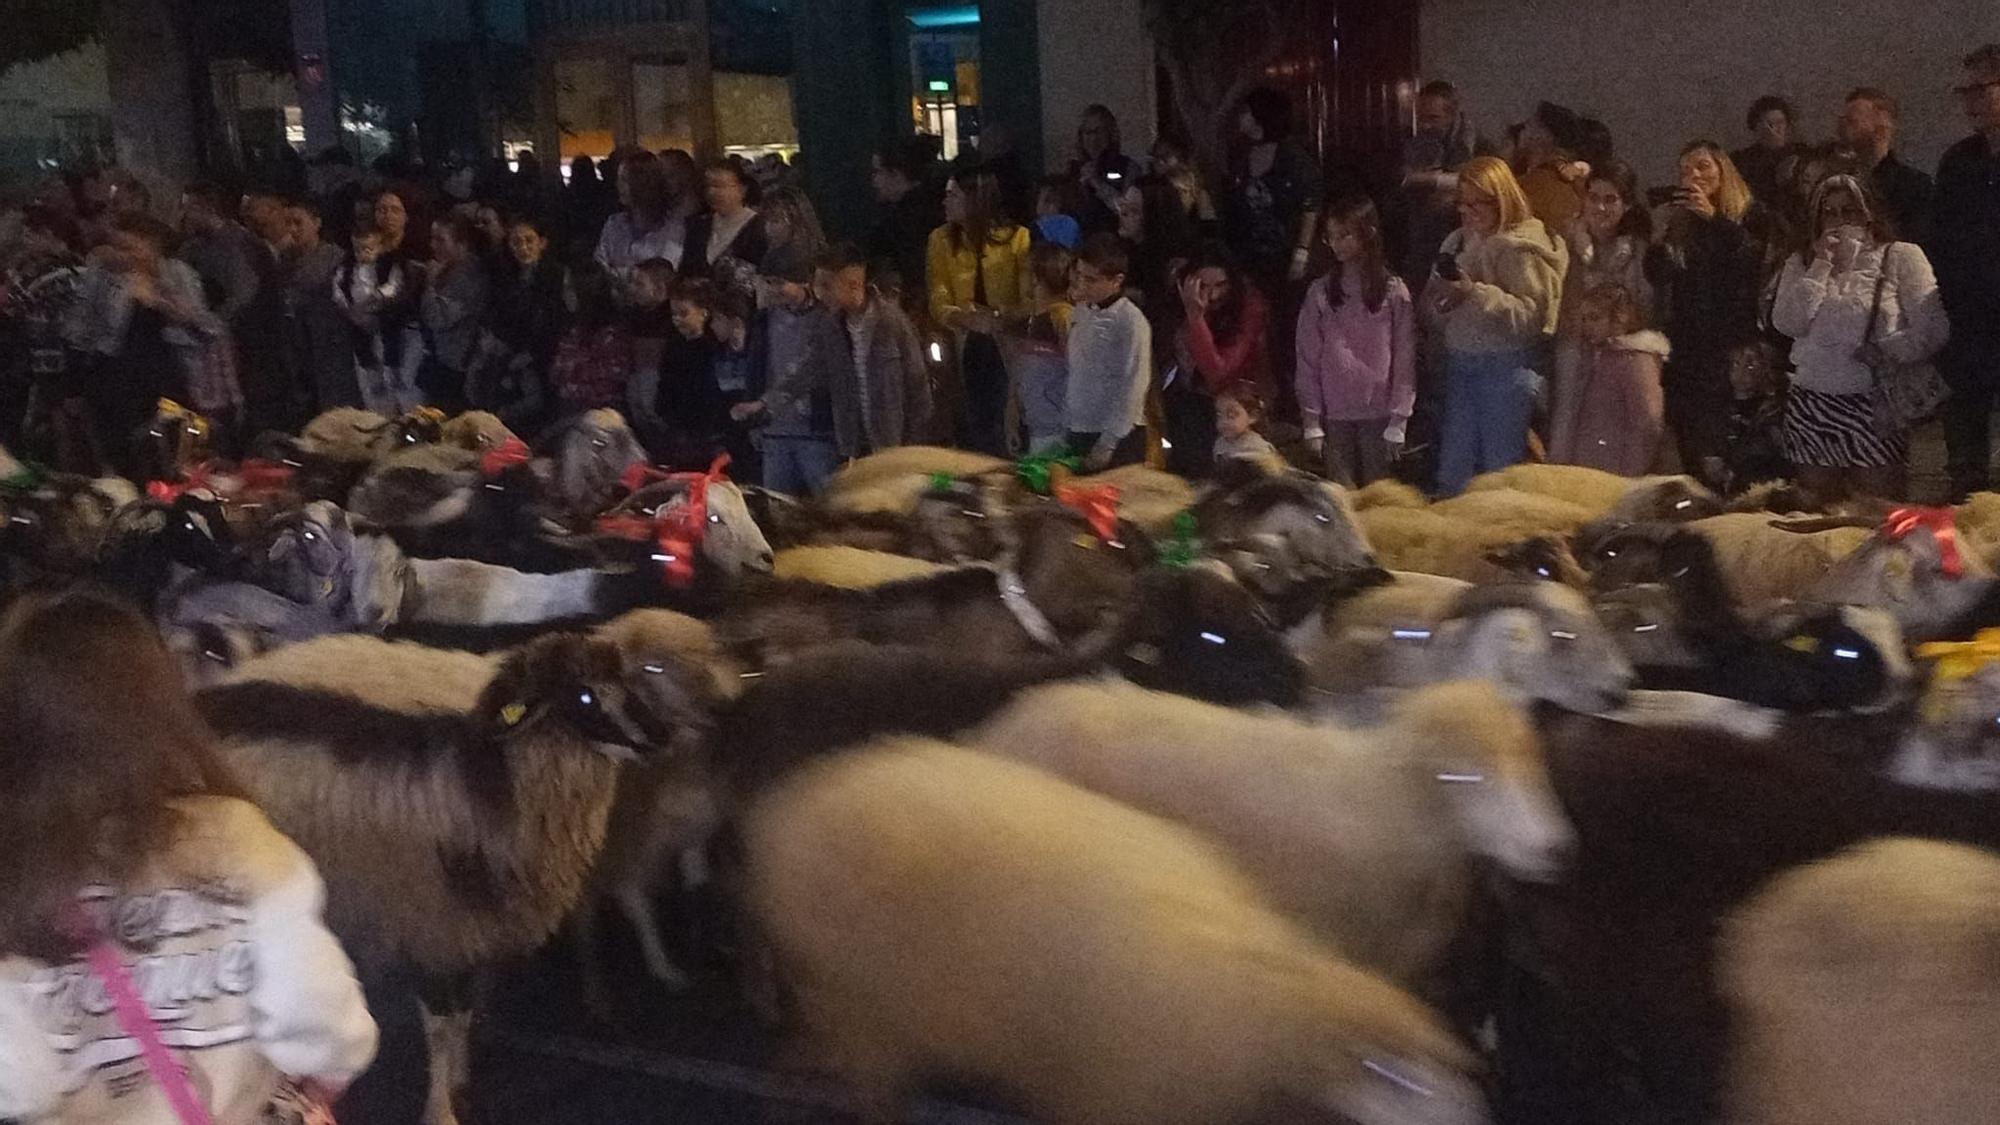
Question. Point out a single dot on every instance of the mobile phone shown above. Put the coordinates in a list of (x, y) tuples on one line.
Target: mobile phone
[(1447, 267), (1661, 196)]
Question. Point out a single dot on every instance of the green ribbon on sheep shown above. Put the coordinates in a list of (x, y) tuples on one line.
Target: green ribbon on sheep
[(1183, 548), (1038, 473), (27, 478)]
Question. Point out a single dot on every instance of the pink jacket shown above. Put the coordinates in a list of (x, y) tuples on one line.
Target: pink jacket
[(1355, 365), (1608, 410)]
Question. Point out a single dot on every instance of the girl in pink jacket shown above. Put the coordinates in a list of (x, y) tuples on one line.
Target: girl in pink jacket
[(1357, 352), (1609, 412)]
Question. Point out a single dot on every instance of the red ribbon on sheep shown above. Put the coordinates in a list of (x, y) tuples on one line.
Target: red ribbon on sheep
[(251, 478), (1098, 504), (504, 456), (675, 532), (1943, 526)]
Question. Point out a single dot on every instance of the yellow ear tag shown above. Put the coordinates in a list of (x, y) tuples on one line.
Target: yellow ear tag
[(326, 587), (1087, 542), (1803, 643), (513, 713)]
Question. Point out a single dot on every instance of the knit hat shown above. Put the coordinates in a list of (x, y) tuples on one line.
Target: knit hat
[(788, 263)]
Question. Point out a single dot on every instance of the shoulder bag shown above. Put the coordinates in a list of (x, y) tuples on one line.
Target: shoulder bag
[(1904, 394)]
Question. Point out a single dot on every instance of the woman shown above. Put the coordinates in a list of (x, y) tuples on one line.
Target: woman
[(1220, 342), (1609, 240), (144, 332), (524, 324), (35, 296), (1174, 160), (1272, 213), (1853, 299), (1704, 271), (790, 220), (390, 214), (1494, 293), (454, 302), (1546, 158), (1766, 162), (131, 861), (727, 242), (978, 270), (646, 226), (1101, 169)]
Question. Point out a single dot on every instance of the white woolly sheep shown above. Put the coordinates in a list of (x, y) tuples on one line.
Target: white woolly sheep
[(1865, 989), (946, 914), (1388, 493), (850, 568), (1763, 562), (1535, 640), (892, 480), (350, 435), (455, 804), (1366, 835), (1513, 513), (1433, 540), (1607, 495)]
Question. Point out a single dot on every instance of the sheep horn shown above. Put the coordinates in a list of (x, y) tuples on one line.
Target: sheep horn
[(1825, 523)]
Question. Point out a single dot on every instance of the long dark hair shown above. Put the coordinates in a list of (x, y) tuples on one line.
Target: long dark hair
[(646, 177), (985, 215), (100, 739), (1638, 221), (1226, 319), (1359, 212)]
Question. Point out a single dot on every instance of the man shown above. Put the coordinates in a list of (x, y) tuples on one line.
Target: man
[(1965, 251), (1444, 140), (889, 398), (912, 207), (1868, 130), (219, 250)]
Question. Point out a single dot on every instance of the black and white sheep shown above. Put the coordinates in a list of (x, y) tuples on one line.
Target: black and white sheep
[(1865, 989), (921, 895), (455, 805), (1369, 836)]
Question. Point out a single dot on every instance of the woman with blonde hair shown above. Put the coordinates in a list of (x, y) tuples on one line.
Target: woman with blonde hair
[(1705, 271), (790, 220), (1494, 295), (162, 956), (978, 272)]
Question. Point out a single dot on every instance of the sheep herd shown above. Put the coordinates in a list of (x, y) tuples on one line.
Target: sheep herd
[(1571, 798)]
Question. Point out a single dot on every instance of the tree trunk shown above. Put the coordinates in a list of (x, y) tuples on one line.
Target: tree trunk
[(147, 58)]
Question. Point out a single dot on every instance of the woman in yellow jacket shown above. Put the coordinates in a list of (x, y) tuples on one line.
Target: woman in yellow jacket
[(978, 265)]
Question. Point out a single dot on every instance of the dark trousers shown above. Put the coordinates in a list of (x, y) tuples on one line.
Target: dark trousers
[(1190, 427), (1972, 367), (985, 372), (1130, 450)]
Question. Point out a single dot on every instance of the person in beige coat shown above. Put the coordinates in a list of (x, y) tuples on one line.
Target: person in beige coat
[(1493, 296), (121, 833)]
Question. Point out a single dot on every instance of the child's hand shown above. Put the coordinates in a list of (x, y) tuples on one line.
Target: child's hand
[(1397, 432)]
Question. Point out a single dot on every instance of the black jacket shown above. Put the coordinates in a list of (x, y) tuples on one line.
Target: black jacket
[(1908, 195), (1965, 239), (1705, 276), (749, 245)]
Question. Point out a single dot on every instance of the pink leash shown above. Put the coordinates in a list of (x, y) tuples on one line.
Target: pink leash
[(134, 1019)]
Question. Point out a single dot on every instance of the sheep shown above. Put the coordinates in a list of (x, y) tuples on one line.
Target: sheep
[(1957, 746), (1310, 518), (1537, 640), (1366, 836), (949, 914), (1920, 573), (1765, 563), (350, 435), (455, 805), (850, 568), (1059, 586), (1388, 493), (909, 461), (592, 452), (1431, 541), (476, 430), (1607, 495), (1513, 513), (1147, 497), (1610, 974), (1864, 989)]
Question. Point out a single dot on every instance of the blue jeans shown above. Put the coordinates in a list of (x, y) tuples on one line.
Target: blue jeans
[(798, 466), (1488, 402)]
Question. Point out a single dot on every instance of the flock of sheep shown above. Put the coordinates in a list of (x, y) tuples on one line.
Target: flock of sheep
[(1575, 797)]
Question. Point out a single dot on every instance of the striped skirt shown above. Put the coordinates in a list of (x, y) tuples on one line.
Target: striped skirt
[(1838, 432)]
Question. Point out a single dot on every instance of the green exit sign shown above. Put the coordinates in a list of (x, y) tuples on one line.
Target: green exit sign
[(938, 87)]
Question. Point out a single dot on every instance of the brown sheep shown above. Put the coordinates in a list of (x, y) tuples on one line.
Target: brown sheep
[(946, 914)]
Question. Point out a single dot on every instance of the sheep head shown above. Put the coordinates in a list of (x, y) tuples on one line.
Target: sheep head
[(1541, 557), (1312, 518), (1199, 632), (1914, 567), (627, 696), (1380, 1058), (64, 523), (1680, 499), (320, 558), (1645, 620), (173, 442), (1816, 657), (592, 456), (1484, 752), (475, 431), (1541, 641)]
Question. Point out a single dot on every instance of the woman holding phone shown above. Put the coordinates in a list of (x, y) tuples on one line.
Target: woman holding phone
[(1494, 294), (1704, 270)]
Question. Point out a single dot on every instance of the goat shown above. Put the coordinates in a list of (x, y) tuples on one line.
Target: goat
[(921, 894)]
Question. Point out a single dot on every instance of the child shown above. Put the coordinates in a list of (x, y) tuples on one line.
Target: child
[(373, 291), (1609, 411), (1037, 349), (1110, 360), (739, 374), (675, 405), (1057, 200), (1755, 443), (593, 364), (887, 403), (1238, 410), (648, 311), (1357, 352), (803, 340)]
